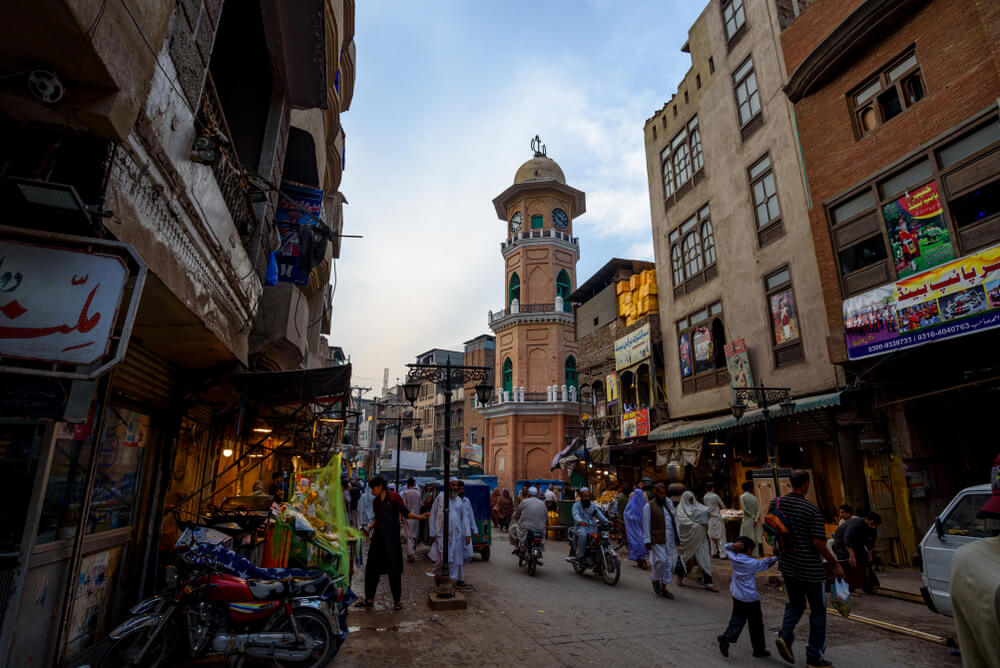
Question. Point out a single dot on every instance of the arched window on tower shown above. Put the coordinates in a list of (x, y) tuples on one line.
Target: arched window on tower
[(508, 374), (562, 290), (514, 290), (570, 371)]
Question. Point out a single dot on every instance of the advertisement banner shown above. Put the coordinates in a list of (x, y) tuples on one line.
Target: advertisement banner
[(957, 298), (298, 206), (917, 231), (472, 452), (635, 424), (738, 364), (785, 320), (687, 367), (704, 353), (612, 389), (632, 348)]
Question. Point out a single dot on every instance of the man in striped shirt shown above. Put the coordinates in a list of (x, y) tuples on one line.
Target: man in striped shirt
[(802, 569)]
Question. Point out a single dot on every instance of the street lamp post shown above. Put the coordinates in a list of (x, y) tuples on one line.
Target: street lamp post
[(447, 374), (399, 423), (765, 397)]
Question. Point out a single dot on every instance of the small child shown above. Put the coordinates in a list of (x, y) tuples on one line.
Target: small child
[(746, 602)]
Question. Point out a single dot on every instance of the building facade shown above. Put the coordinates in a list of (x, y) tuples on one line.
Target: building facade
[(536, 368), (169, 129), (739, 292), (480, 351), (897, 116)]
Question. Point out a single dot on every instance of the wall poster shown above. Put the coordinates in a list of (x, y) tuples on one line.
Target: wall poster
[(612, 388), (704, 357), (917, 233), (687, 367), (738, 363), (783, 316)]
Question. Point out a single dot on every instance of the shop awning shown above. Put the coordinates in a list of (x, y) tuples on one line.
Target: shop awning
[(321, 385), (682, 428)]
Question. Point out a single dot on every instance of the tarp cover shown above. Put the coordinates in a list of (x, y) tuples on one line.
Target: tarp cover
[(295, 387)]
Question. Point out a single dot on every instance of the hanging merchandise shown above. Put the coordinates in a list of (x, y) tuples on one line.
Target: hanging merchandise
[(271, 276)]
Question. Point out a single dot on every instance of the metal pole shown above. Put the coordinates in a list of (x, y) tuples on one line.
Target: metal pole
[(445, 566), (770, 443), (399, 442)]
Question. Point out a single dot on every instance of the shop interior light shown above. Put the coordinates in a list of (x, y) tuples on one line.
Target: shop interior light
[(262, 430), (227, 452), (716, 443)]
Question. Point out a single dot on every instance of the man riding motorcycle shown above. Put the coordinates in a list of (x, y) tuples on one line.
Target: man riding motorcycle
[(531, 515), (585, 516)]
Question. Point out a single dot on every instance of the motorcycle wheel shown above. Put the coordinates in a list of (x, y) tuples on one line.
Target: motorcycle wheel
[(316, 625), (124, 652), (531, 566), (611, 569)]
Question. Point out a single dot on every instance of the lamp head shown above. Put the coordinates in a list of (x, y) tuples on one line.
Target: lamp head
[(417, 430), (787, 407), (411, 389), (483, 392), (380, 431), (738, 408)]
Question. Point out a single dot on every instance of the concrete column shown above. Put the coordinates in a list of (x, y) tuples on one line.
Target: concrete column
[(572, 394), (522, 393), (559, 303), (565, 394), (515, 306)]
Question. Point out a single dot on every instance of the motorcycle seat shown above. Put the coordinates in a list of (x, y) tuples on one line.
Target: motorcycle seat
[(267, 590)]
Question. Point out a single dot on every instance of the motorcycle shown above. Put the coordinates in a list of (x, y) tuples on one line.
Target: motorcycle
[(599, 555), (208, 612), (530, 551)]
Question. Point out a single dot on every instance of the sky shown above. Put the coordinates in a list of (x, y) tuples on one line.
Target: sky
[(448, 95)]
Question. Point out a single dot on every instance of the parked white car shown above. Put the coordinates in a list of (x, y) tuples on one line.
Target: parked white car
[(954, 527)]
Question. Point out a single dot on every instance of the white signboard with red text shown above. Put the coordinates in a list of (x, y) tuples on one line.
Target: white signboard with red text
[(56, 304)]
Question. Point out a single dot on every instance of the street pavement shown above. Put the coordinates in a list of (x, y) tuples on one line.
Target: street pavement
[(559, 618)]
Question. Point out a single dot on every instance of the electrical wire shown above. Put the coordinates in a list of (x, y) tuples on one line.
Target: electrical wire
[(156, 59)]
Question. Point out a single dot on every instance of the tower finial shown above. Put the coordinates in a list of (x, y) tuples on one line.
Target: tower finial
[(538, 147)]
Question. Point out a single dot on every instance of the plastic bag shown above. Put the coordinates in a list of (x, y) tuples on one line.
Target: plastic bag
[(271, 275), (840, 597)]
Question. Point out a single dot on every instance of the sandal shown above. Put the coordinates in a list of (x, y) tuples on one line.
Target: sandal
[(362, 603), (397, 606)]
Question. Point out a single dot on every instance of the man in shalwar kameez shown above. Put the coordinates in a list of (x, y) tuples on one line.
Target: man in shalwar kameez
[(660, 531), (458, 533), (633, 527), (470, 518), (411, 498)]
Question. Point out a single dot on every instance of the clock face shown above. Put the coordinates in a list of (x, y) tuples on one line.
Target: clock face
[(515, 223), (560, 219)]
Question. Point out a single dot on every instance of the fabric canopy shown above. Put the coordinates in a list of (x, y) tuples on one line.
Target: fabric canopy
[(319, 385), (672, 431), (685, 450)]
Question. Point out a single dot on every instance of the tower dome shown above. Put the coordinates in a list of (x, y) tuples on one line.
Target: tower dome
[(539, 168)]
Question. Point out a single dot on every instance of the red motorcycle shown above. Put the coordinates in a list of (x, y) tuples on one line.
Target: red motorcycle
[(288, 621)]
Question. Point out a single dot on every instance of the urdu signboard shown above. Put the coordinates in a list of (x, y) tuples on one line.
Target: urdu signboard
[(632, 348)]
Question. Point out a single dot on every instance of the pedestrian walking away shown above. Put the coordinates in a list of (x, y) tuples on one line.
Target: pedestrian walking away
[(505, 507), (661, 536), (633, 527), (692, 520), (802, 568), (411, 499), (750, 526), (716, 529), (746, 600), (494, 500), (385, 554)]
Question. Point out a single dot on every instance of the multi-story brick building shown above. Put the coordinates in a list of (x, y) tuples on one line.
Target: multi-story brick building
[(896, 110), (480, 351), (739, 291)]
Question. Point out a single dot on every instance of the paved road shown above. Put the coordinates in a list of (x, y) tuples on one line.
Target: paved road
[(559, 618)]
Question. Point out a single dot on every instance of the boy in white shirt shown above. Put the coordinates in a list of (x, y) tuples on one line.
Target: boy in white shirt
[(746, 601)]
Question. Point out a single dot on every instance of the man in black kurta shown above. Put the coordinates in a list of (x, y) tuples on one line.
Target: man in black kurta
[(385, 552)]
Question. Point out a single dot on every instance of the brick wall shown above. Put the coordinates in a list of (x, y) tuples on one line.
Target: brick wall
[(955, 46)]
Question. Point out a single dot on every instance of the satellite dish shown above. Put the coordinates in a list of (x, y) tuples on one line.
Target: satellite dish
[(46, 86)]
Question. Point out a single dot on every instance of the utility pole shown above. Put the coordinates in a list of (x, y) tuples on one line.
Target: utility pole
[(357, 417)]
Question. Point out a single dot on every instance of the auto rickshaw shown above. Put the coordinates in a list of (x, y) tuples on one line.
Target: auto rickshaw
[(478, 494)]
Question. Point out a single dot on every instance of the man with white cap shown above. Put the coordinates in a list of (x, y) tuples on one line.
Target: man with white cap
[(531, 515), (585, 516), (458, 533)]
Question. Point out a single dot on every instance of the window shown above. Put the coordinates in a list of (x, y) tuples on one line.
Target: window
[(711, 65), (785, 340), (747, 94), (701, 340), (963, 519), (570, 371), (508, 375), (734, 17), (697, 81), (682, 161), (514, 291), (886, 95), (562, 290), (536, 222), (692, 252), (473, 433), (765, 201)]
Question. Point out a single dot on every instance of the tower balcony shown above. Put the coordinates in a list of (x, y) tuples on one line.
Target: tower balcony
[(557, 311), (541, 238)]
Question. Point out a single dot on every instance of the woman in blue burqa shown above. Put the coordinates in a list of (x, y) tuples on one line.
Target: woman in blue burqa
[(633, 527)]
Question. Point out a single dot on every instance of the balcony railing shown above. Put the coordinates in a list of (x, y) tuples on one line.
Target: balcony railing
[(550, 307), (528, 235), (227, 167)]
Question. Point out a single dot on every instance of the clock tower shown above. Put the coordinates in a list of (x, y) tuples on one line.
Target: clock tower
[(536, 353)]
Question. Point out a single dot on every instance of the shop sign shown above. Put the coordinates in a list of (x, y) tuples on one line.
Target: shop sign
[(472, 452), (738, 364), (958, 298), (917, 232), (635, 424), (299, 208), (413, 461), (612, 388), (58, 305), (632, 348)]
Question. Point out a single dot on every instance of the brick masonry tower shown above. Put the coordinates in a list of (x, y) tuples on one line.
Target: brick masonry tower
[(536, 352)]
